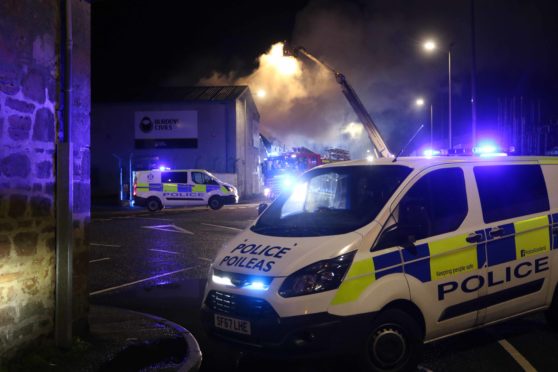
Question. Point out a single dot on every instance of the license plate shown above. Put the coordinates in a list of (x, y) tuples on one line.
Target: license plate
[(233, 324)]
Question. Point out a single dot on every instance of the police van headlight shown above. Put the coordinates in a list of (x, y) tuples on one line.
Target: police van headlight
[(318, 277)]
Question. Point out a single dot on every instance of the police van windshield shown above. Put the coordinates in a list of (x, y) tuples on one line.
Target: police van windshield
[(332, 201)]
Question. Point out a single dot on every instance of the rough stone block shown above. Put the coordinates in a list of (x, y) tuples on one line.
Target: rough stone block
[(40, 206), (32, 308), (6, 226), (26, 243), (37, 187), (9, 80), (43, 169), (30, 286), (18, 206), (33, 85), (44, 126), (82, 197), (19, 127), (49, 188), (5, 246), (15, 165), (1, 126), (10, 277), (21, 106), (7, 315)]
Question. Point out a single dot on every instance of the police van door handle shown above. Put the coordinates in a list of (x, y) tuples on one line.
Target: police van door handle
[(497, 232), (473, 238)]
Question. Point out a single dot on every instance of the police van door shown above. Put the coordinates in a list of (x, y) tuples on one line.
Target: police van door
[(434, 213), (175, 189), (204, 185), (515, 207)]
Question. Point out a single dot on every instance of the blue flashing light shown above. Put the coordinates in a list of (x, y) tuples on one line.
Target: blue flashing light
[(163, 168), (430, 152), (288, 181), (273, 153), (293, 156), (258, 286)]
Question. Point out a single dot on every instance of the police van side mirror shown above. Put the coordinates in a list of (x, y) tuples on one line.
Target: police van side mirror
[(396, 235), (262, 207)]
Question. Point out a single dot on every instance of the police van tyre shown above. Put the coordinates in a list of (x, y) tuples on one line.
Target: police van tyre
[(153, 204), (394, 343), (215, 202), (552, 312)]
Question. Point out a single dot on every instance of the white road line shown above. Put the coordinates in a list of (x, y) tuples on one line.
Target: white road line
[(205, 259), (104, 245), (154, 218), (138, 281), (222, 227), (520, 359), (100, 259), (164, 251), (169, 228)]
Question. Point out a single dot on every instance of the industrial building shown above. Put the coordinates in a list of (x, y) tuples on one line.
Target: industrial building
[(214, 128)]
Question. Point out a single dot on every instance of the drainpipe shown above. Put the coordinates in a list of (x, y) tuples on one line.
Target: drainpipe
[(64, 192)]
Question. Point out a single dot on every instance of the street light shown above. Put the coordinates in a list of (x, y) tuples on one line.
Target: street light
[(419, 102), (430, 46)]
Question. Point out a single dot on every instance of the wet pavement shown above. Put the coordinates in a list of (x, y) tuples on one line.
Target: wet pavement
[(158, 263)]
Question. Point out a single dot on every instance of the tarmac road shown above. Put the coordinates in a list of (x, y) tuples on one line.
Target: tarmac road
[(158, 263)]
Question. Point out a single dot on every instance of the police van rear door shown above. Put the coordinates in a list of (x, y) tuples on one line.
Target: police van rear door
[(515, 208)]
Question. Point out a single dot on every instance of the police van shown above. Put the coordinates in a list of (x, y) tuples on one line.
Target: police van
[(157, 189), (377, 258)]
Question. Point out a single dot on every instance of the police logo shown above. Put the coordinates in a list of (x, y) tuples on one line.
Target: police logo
[(146, 125), (150, 177)]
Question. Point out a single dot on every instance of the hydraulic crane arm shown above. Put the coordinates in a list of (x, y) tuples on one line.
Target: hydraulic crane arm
[(379, 146)]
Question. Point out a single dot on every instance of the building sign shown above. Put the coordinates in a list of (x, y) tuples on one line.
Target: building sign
[(166, 129)]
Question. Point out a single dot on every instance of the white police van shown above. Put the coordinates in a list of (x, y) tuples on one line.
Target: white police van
[(377, 258), (156, 189)]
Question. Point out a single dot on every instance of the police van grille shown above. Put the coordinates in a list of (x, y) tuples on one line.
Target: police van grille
[(237, 305)]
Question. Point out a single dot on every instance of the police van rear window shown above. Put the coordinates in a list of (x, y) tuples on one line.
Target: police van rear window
[(508, 191)]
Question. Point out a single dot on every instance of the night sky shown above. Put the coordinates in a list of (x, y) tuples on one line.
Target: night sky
[(138, 45)]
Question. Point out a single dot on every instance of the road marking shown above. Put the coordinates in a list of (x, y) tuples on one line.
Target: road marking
[(205, 259), (104, 245), (163, 251), (139, 281), (222, 227), (520, 359), (154, 218), (100, 259), (169, 228)]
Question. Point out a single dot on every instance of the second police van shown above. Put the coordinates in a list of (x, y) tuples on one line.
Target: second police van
[(157, 189), (376, 258)]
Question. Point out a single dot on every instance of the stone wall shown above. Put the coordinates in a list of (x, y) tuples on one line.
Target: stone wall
[(29, 100)]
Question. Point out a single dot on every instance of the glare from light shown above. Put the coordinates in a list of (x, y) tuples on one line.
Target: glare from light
[(221, 280), (273, 153), (354, 130), (259, 286), (429, 153), (293, 156), (299, 193), (419, 102), (370, 158), (429, 45), (285, 65), (288, 181), (163, 168), (261, 93), (267, 192)]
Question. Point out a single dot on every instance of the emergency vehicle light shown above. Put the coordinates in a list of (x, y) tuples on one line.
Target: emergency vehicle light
[(431, 152), (163, 168), (257, 284)]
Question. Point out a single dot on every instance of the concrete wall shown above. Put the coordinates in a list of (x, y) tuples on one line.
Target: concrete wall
[(247, 144), (218, 141), (29, 99)]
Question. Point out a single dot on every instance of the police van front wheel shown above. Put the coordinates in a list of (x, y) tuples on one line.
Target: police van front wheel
[(394, 343), (153, 204), (215, 202)]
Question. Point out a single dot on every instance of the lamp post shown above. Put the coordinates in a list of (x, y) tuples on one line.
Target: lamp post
[(430, 46), (420, 103)]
